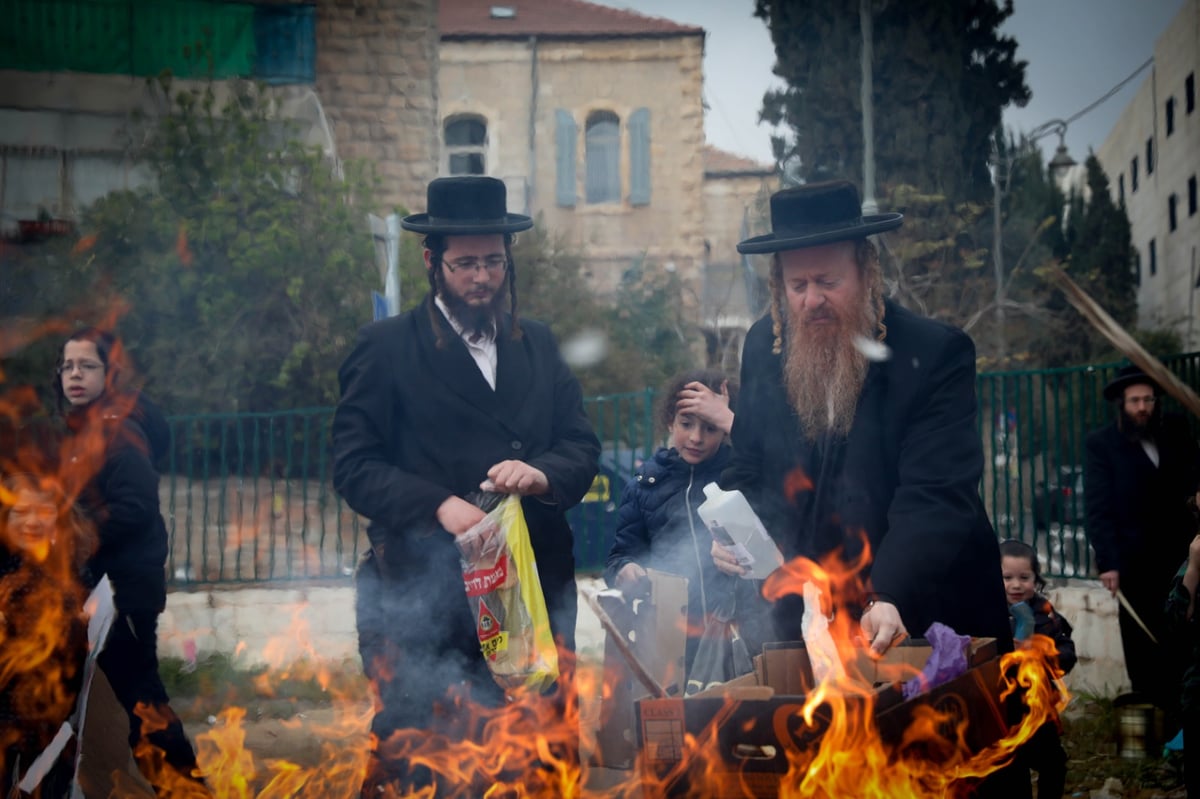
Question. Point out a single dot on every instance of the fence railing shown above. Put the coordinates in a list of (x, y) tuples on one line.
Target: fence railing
[(249, 497)]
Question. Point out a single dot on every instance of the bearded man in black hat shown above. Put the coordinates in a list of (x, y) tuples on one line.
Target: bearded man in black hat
[(455, 395), (857, 425), (1139, 473)]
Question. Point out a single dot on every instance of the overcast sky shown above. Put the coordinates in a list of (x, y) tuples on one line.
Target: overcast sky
[(1077, 50)]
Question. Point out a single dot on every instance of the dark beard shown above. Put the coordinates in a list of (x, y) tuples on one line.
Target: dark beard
[(1133, 431), (473, 320), (824, 373)]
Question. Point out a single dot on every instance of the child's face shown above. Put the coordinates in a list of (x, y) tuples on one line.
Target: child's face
[(1019, 582), (696, 440), (30, 523)]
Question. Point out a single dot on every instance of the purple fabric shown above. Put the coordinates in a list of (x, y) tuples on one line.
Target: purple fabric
[(947, 660)]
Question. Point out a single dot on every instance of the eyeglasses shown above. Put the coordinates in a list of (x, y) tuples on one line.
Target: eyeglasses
[(84, 366), (493, 264)]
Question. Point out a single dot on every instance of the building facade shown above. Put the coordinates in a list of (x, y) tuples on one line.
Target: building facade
[(1152, 158), (356, 77)]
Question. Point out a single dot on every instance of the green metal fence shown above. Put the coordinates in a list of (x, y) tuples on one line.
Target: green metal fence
[(1034, 427), (249, 497)]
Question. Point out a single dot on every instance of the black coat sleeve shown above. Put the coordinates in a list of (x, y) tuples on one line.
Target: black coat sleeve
[(934, 513), (128, 487), (364, 427), (573, 458), (631, 544), (1100, 485)]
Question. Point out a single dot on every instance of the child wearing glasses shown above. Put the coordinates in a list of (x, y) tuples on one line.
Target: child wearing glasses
[(113, 439)]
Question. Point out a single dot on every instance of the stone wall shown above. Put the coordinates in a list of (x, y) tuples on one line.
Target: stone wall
[(279, 626), (377, 78)]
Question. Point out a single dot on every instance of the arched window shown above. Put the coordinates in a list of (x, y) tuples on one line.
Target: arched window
[(466, 145), (602, 143)]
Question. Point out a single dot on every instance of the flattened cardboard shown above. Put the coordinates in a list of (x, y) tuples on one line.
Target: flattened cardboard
[(754, 734), (656, 630)]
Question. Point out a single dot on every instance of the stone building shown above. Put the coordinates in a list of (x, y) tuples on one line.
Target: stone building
[(594, 118), (736, 193), (357, 76), (1152, 158)]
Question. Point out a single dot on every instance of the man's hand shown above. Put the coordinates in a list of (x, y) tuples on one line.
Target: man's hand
[(726, 561), (457, 515), (700, 400), (1111, 580), (882, 627), (516, 477)]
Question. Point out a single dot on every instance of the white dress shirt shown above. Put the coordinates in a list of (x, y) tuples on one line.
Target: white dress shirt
[(482, 349)]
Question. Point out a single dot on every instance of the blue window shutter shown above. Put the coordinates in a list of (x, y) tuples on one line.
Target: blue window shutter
[(564, 139), (639, 157)]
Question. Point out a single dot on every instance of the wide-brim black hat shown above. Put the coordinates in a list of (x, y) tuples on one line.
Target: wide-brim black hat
[(1129, 376), (817, 213), (466, 206)]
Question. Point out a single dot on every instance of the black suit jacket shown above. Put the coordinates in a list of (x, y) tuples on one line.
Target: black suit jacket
[(907, 476), (418, 423), (1138, 520)]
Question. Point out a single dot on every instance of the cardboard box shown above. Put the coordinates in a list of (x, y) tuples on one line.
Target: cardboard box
[(751, 724), (656, 631)]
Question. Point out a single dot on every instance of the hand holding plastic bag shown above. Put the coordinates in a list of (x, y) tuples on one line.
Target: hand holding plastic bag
[(501, 579)]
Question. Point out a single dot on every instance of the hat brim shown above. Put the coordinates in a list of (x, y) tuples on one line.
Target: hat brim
[(771, 242), (1114, 389), (511, 223)]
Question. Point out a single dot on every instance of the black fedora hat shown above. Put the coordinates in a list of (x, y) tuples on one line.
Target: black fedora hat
[(466, 206), (1129, 376), (817, 213)]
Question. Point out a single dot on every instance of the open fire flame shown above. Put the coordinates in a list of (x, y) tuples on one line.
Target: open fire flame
[(832, 744)]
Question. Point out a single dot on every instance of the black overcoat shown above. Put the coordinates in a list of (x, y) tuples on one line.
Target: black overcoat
[(418, 423), (1139, 525), (907, 476)]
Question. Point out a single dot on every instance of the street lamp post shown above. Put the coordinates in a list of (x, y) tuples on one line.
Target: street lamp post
[(867, 88), (1059, 165)]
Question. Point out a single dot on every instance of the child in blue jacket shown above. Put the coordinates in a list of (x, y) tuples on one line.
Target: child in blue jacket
[(657, 525), (1031, 612)]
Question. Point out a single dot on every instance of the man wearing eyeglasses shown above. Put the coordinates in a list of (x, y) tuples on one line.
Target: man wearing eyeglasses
[(455, 395), (1139, 473)]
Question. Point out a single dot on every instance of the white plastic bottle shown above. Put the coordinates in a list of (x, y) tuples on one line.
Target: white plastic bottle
[(735, 525)]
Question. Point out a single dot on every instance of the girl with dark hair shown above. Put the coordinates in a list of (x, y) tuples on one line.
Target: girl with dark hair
[(657, 525), (113, 438), (43, 632), (1031, 613)]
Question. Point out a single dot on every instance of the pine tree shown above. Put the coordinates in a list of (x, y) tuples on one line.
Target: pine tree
[(942, 76)]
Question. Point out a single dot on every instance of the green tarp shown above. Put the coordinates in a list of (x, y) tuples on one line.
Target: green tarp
[(189, 38)]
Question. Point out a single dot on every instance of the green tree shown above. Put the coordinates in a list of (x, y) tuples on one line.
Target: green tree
[(643, 337), (246, 269), (1103, 262), (942, 75)]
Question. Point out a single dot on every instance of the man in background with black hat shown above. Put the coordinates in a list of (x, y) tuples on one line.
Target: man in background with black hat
[(455, 395), (1139, 473), (857, 421)]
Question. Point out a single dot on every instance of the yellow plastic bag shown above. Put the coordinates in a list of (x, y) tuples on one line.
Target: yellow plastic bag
[(500, 575)]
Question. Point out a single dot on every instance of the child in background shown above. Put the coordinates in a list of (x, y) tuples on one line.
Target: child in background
[(43, 636), (1027, 607), (657, 525)]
